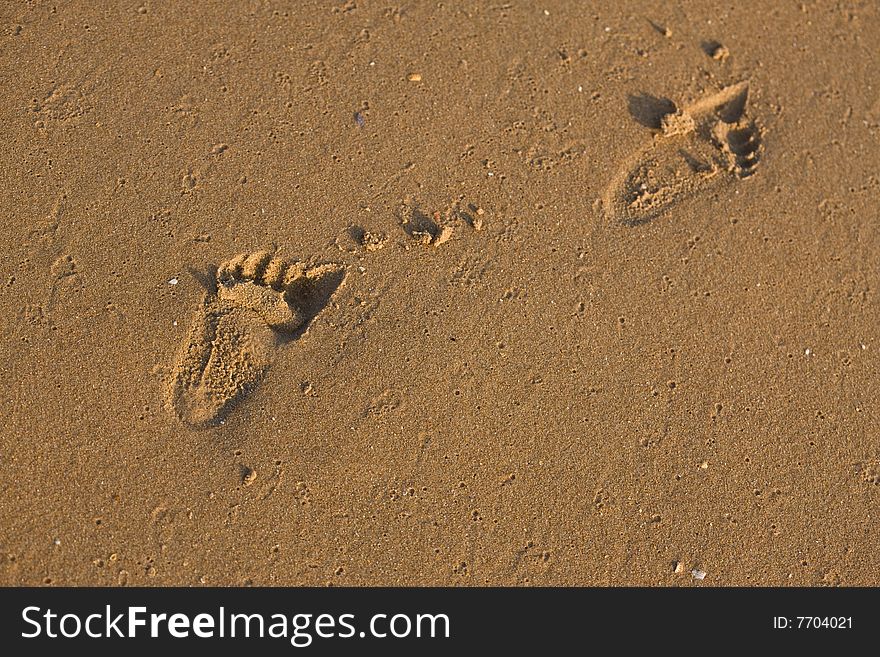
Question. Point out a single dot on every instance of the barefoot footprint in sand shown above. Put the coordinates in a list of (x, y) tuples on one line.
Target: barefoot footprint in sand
[(261, 301), (708, 142)]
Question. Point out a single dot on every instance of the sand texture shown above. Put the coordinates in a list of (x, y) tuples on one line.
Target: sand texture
[(457, 293)]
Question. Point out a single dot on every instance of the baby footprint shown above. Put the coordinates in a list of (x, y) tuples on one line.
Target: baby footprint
[(708, 142), (261, 301)]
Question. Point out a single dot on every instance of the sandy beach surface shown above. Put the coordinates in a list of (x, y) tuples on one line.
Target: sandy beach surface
[(440, 293)]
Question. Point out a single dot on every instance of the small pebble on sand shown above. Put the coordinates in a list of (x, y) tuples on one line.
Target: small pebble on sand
[(720, 53)]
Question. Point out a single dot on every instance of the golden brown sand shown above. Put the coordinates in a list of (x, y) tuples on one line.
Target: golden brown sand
[(440, 293)]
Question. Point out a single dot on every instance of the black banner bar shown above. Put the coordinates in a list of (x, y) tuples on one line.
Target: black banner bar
[(434, 620)]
